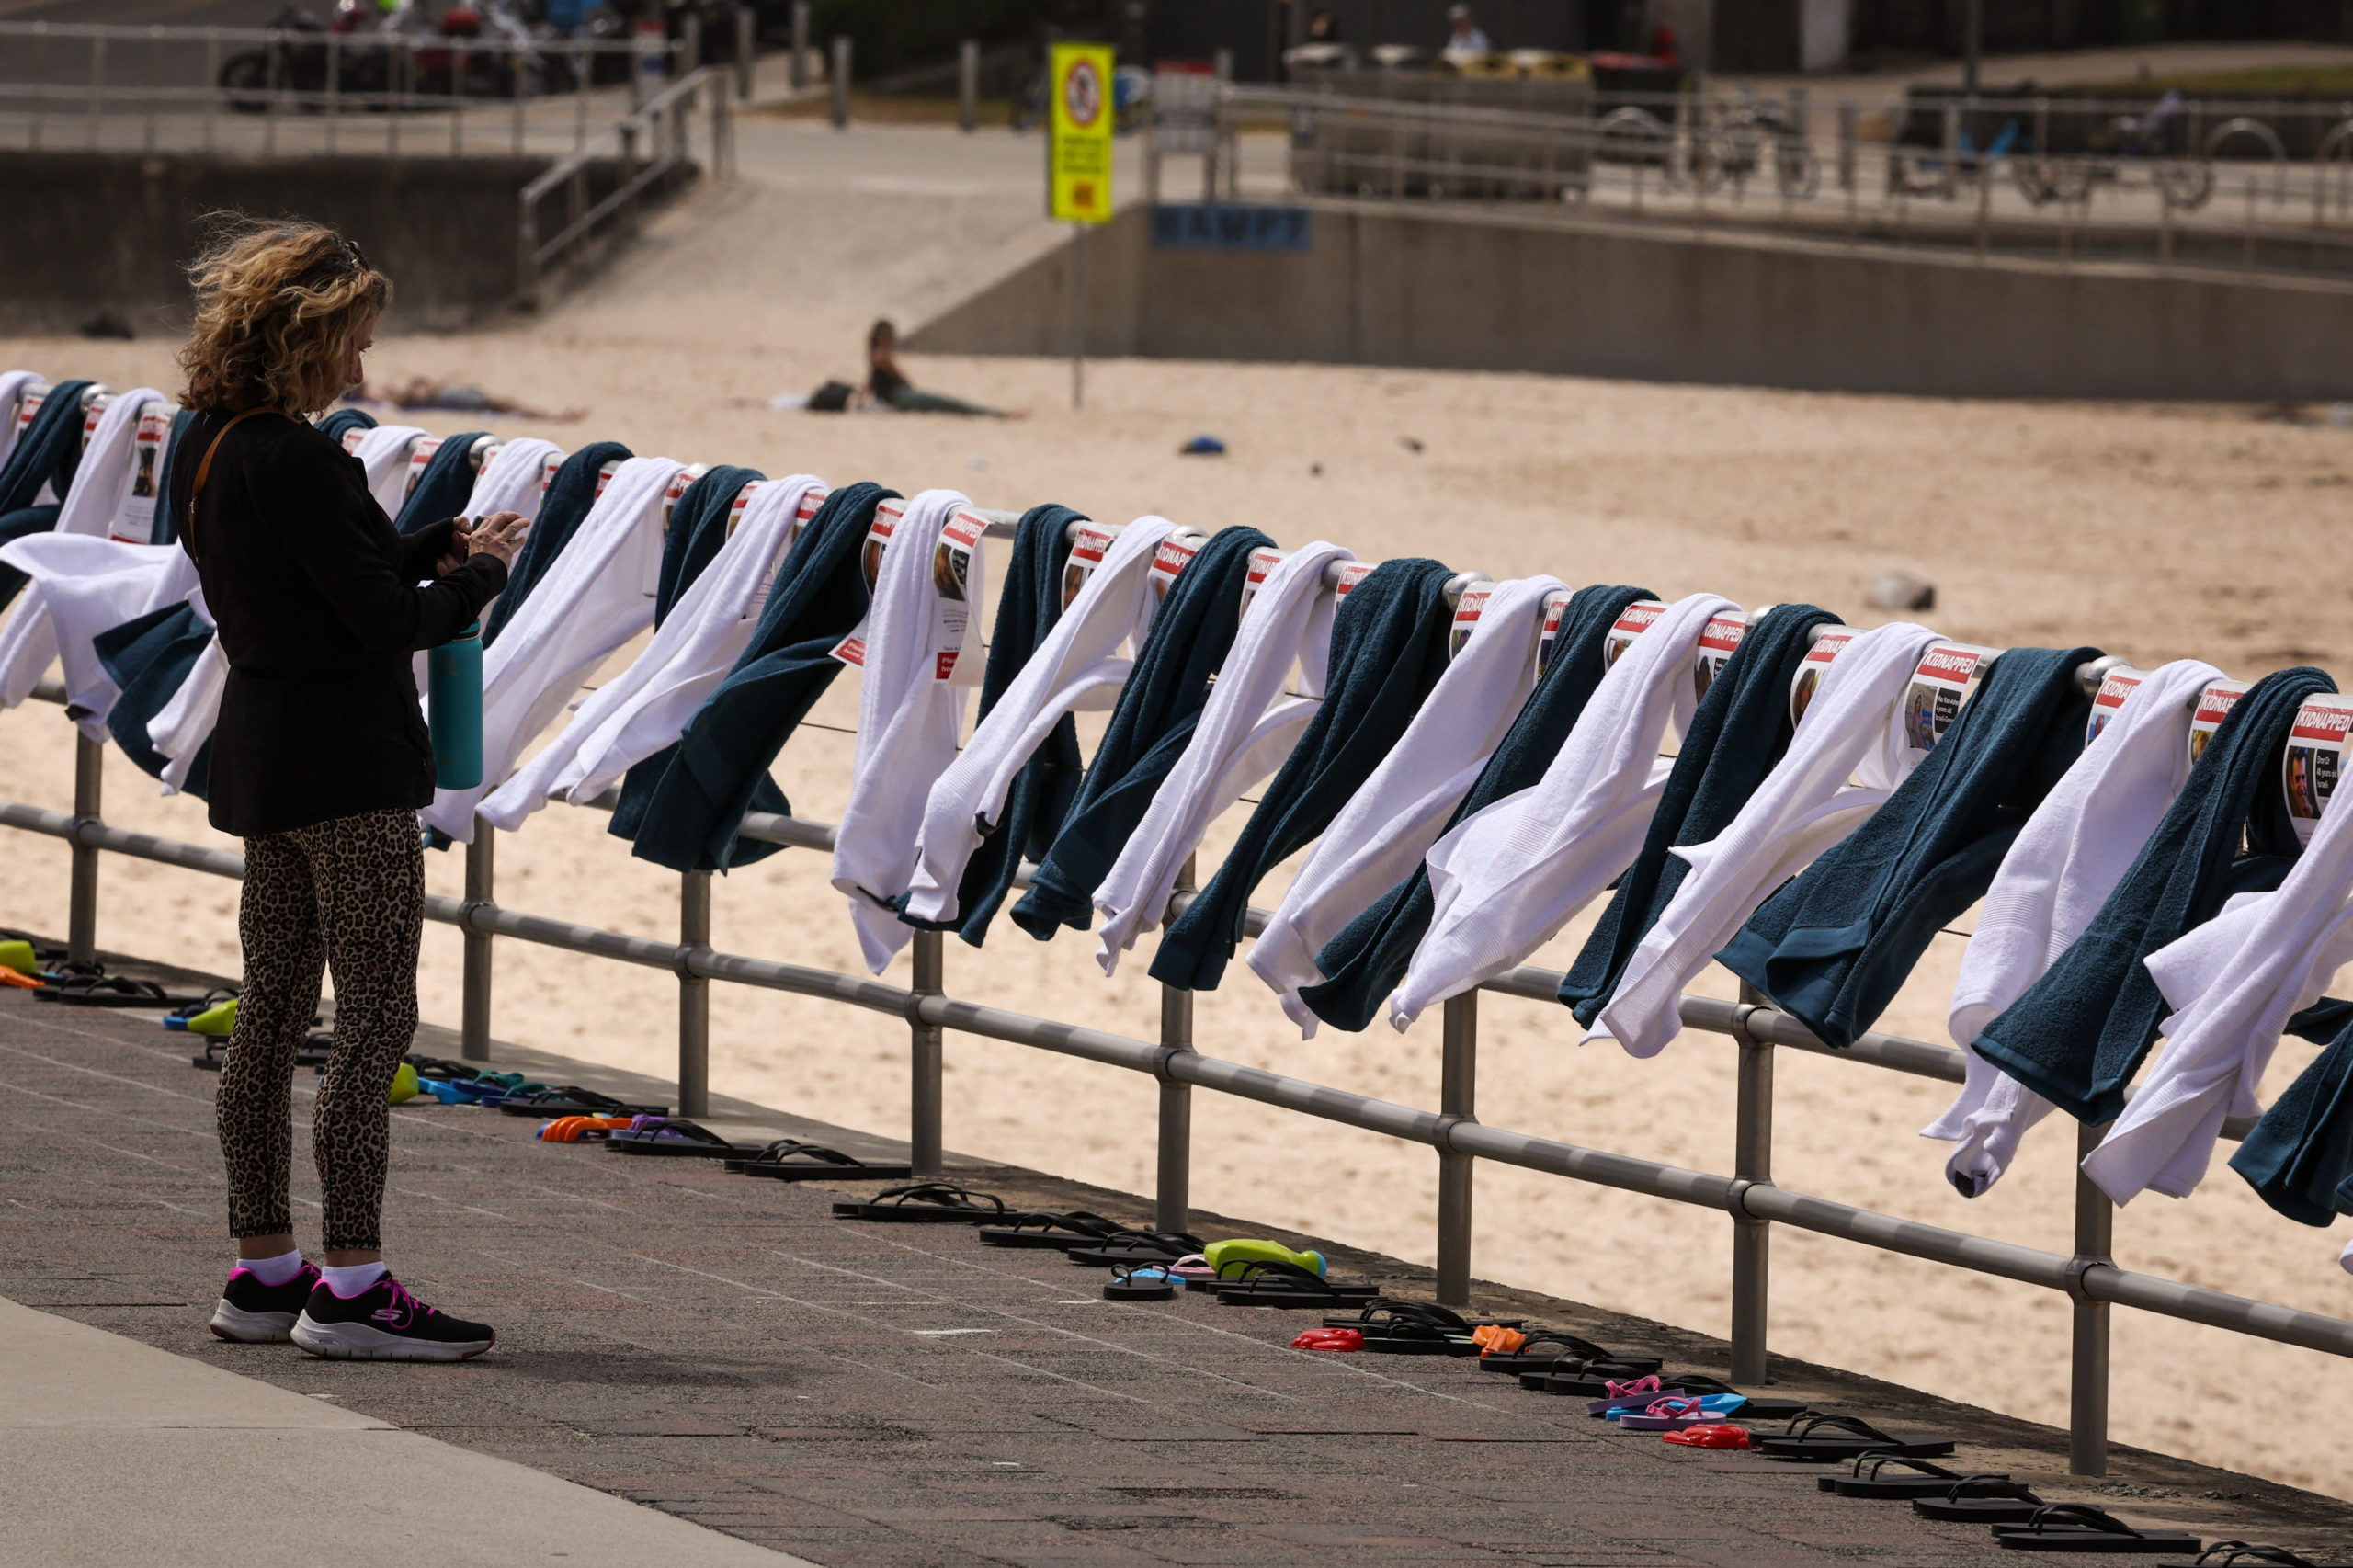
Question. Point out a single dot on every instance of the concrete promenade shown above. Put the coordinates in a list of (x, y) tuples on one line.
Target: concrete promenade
[(762, 1378)]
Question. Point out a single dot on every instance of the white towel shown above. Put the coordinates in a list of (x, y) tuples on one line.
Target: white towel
[(646, 707), (590, 600), (1846, 759), (908, 721), (383, 453), (12, 388), (512, 481), (1077, 666), (108, 461), (2060, 870), (2233, 984), (1381, 836), (1246, 731), (1503, 881), (182, 725), (81, 586)]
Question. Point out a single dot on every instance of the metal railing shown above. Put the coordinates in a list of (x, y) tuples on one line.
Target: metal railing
[(277, 91), (1748, 1196), (2252, 183), (648, 146)]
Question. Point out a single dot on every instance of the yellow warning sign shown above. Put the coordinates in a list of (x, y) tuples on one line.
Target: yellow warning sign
[(1078, 159)]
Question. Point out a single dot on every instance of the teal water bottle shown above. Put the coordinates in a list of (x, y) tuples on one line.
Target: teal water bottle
[(453, 682)]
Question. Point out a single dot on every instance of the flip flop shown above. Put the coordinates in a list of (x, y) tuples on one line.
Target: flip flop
[(582, 1129), (671, 1135), (1193, 1272), (1058, 1232), (2080, 1526), (1597, 1380), (1818, 1438), (1532, 1357), (1393, 1327), (178, 1018), (1673, 1414), (789, 1159), (573, 1100), (2235, 1554), (1713, 1435), (1270, 1282), (107, 991), (1981, 1500), (1927, 1480), (929, 1202), (1145, 1284), (1238, 1249), (1327, 1339), (1136, 1247)]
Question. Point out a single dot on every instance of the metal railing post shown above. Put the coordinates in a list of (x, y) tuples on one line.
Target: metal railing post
[(457, 97), (97, 87), (838, 80), (2087, 1361), (40, 86), (474, 1031), (154, 87), (1457, 1102), (748, 45), (584, 68), (690, 43), (1173, 1205), (925, 1057), (694, 995), (799, 76), (269, 95), (334, 86), (521, 64), (82, 917), (968, 85), (1751, 1239)]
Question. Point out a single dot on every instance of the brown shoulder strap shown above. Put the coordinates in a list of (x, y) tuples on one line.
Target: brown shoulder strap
[(204, 471)]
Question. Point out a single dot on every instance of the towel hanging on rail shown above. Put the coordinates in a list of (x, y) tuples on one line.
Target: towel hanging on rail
[(1381, 835), (570, 494), (2298, 1157), (1850, 730), (1739, 734), (1503, 881), (698, 789), (1246, 729), (2064, 863), (13, 386), (1149, 728), (39, 471), (2080, 1033), (445, 486), (1390, 637), (1364, 962), (152, 659)]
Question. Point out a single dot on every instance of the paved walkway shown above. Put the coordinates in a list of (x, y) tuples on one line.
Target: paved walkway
[(866, 1396)]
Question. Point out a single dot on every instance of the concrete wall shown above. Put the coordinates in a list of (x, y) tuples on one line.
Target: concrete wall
[(94, 233), (1384, 286)]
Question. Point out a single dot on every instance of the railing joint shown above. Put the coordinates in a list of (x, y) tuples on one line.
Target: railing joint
[(2075, 1281), (1442, 1134)]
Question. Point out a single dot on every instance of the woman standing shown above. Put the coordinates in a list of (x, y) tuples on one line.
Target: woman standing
[(320, 761)]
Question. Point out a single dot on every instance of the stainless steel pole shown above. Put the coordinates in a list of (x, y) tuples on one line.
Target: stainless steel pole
[(335, 87), (1173, 1205), (2087, 1381), (968, 85), (840, 81), (1751, 1239), (1457, 1102), (154, 83), (40, 86), (473, 1032), (694, 997), (82, 916), (925, 1057), (799, 73), (746, 48), (1078, 315), (97, 87), (1973, 25)]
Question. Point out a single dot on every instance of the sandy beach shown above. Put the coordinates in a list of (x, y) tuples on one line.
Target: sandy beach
[(2151, 531)]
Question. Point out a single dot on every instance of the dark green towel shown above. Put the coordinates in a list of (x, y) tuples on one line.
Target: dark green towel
[(2299, 1158), (1363, 964), (717, 770), (149, 659), (49, 451), (1740, 733), (445, 486), (1158, 708), (2080, 1032), (1831, 947)]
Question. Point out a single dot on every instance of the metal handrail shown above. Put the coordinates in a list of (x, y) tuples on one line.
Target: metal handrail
[(667, 109)]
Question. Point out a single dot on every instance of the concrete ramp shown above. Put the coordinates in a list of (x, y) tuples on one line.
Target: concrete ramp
[(1466, 288)]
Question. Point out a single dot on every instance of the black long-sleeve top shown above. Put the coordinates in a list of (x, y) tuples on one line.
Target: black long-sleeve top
[(319, 607)]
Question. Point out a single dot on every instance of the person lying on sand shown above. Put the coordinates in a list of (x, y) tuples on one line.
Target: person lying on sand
[(888, 386), (424, 392)]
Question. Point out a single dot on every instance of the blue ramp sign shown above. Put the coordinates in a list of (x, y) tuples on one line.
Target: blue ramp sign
[(1229, 225)]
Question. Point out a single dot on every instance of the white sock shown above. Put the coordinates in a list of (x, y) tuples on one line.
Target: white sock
[(274, 1270), (349, 1282)]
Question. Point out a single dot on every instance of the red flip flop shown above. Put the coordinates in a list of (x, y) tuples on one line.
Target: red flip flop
[(1714, 1435)]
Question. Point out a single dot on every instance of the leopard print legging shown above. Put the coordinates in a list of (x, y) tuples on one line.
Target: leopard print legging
[(346, 894)]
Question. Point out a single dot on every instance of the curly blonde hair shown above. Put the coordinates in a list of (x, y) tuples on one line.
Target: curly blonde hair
[(277, 306)]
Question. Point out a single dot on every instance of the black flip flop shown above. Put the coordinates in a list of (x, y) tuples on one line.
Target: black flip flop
[(107, 991), (1530, 1358), (1867, 1481), (2080, 1526), (1981, 1500), (2243, 1554), (574, 1100), (927, 1202), (789, 1159), (677, 1139), (1058, 1232), (1143, 1248), (1592, 1380), (1270, 1282), (1818, 1438), (1124, 1286)]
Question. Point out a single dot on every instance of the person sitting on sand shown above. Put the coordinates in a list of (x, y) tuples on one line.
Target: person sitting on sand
[(423, 392), (888, 386)]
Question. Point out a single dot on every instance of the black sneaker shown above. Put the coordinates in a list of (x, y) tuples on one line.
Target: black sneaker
[(384, 1323), (254, 1313)]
